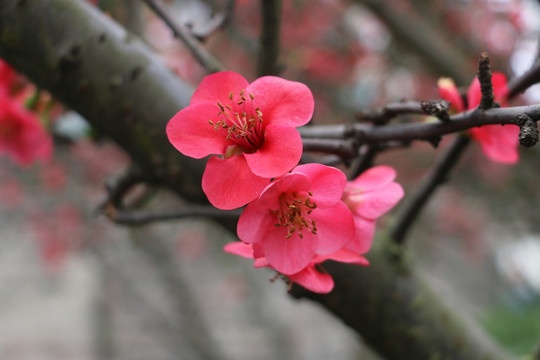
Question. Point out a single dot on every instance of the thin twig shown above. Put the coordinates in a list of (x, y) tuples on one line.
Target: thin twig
[(363, 162), (384, 114), (203, 56), (367, 134), (270, 38), (218, 21), (487, 101), (142, 217), (521, 83), (116, 191), (438, 175)]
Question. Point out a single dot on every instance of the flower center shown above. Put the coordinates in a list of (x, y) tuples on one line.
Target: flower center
[(240, 122), (293, 213)]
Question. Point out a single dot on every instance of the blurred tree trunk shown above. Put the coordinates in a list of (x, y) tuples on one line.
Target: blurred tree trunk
[(112, 79)]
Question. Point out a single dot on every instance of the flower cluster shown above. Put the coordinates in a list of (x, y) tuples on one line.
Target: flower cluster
[(297, 216), (22, 136), (499, 143)]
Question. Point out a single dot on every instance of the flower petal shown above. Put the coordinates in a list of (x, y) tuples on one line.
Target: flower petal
[(500, 90), (335, 227), (327, 183), (192, 135), (239, 248), (499, 143), (449, 92), (281, 152), (255, 223), (374, 177), (229, 184), (374, 204), (363, 235), (289, 256), (282, 101), (344, 256), (216, 87), (313, 280)]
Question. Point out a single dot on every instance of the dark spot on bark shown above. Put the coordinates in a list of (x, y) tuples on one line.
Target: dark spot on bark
[(135, 73), (102, 38), (71, 59)]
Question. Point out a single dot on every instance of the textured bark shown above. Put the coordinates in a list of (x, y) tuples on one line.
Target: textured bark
[(397, 313), (115, 82), (107, 75)]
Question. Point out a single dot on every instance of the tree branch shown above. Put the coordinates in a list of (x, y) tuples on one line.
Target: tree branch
[(437, 176), (395, 311), (383, 115), (270, 38), (203, 56), (120, 87), (366, 134), (109, 77), (143, 217)]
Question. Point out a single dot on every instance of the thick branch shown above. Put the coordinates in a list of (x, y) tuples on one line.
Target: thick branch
[(105, 74), (396, 313)]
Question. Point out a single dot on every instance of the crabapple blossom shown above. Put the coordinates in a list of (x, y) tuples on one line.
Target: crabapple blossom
[(252, 127), (297, 217), (499, 143), (22, 136), (309, 277), (369, 196)]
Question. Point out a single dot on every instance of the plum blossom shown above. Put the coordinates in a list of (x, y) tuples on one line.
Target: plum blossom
[(252, 127), (311, 277), (22, 136), (499, 143), (369, 196), (297, 217)]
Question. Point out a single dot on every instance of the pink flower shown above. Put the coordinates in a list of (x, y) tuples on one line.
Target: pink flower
[(297, 217), (499, 143), (310, 277), (22, 136), (369, 196), (252, 127)]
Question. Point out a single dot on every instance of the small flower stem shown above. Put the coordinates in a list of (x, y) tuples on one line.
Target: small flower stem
[(203, 56), (270, 38), (438, 176)]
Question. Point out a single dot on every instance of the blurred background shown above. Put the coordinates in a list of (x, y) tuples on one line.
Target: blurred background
[(76, 286)]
